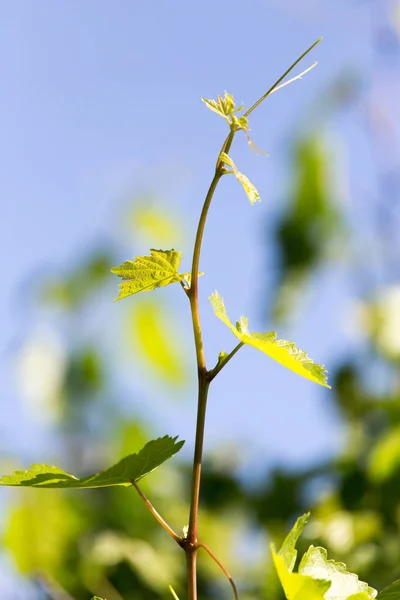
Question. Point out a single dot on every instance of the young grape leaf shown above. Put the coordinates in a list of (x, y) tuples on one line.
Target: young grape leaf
[(344, 584), (146, 273), (129, 469), (284, 352), (288, 551), (249, 188), (318, 578), (392, 592), (296, 586), (225, 107)]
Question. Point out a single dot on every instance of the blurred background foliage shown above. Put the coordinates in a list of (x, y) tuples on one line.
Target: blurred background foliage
[(104, 542)]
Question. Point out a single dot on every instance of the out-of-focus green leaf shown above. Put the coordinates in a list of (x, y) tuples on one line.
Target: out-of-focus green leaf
[(110, 548), (392, 592), (129, 469), (153, 338), (344, 584), (39, 530), (310, 223), (84, 374), (384, 459), (145, 273), (284, 352), (73, 288), (251, 191), (150, 221)]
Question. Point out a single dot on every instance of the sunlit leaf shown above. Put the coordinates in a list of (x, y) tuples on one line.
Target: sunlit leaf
[(315, 563), (288, 551), (146, 273), (392, 592), (296, 586), (225, 107), (131, 468), (359, 596), (284, 352), (215, 106), (317, 577), (251, 191)]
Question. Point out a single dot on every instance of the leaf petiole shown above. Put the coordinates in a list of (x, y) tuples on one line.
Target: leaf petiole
[(157, 515)]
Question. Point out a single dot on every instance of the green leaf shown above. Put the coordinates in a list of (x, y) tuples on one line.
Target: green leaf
[(146, 273), (284, 352), (288, 551), (251, 191), (318, 578), (97, 598), (344, 584), (225, 107), (131, 468), (392, 592), (296, 586)]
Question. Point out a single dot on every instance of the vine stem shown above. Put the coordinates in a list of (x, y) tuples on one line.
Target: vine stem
[(191, 543), (203, 380)]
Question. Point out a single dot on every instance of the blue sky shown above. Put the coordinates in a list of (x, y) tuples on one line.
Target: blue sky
[(101, 100)]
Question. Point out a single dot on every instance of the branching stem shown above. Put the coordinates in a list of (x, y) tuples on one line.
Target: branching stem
[(214, 372), (190, 543)]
